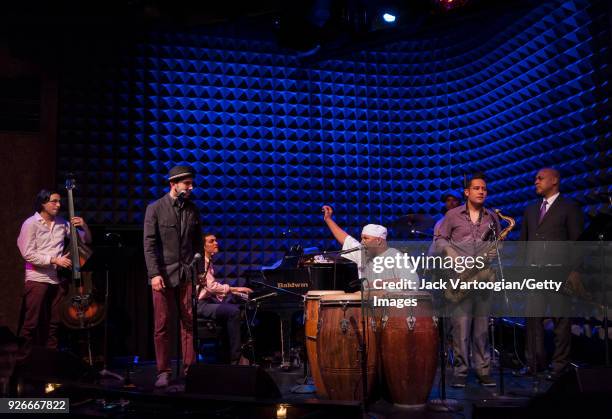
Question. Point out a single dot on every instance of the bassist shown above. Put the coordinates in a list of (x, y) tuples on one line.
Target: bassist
[(42, 243)]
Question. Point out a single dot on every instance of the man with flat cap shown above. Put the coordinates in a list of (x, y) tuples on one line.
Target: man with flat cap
[(172, 236), (373, 244)]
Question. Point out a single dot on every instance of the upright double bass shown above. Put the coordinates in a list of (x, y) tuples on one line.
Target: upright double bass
[(79, 310)]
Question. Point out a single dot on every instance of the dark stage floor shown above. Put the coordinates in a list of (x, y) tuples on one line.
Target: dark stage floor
[(109, 397)]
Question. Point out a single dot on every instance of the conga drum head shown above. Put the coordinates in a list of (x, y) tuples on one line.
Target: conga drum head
[(317, 294), (340, 299)]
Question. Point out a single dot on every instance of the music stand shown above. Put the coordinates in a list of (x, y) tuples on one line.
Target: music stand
[(100, 261)]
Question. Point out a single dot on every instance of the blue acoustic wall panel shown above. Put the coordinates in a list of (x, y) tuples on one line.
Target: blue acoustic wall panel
[(377, 134)]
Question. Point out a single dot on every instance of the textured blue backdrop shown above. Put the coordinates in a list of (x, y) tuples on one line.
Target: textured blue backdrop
[(380, 133)]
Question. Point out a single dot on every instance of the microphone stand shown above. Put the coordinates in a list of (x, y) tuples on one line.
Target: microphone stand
[(194, 304), (363, 354), (501, 334), (442, 404), (177, 299)]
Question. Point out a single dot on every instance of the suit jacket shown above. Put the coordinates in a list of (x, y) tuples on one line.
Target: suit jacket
[(563, 221), (168, 251)]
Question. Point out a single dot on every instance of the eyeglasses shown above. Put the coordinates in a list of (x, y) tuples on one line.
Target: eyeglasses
[(55, 201)]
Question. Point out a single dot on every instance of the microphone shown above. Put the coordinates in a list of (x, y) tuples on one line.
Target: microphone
[(342, 252), (180, 198), (196, 258), (261, 297)]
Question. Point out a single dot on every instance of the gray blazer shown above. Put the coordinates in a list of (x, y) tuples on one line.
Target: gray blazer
[(169, 252)]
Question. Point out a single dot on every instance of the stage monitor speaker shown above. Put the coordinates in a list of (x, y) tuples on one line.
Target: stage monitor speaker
[(43, 363), (230, 380), (586, 380)]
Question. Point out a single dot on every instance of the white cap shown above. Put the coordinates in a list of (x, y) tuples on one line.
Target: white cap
[(375, 230)]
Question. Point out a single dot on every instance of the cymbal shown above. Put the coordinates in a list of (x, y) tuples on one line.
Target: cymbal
[(413, 222)]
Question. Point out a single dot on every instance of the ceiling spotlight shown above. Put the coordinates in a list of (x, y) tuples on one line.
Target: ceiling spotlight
[(388, 17)]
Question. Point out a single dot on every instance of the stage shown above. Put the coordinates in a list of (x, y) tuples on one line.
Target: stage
[(110, 397), (275, 134)]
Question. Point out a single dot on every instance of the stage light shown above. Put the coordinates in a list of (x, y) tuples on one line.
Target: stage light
[(51, 387), (281, 411), (388, 17)]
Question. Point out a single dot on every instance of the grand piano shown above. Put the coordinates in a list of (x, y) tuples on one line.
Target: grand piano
[(291, 278)]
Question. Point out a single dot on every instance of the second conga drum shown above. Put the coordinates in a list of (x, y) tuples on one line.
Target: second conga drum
[(409, 349), (311, 321), (338, 340)]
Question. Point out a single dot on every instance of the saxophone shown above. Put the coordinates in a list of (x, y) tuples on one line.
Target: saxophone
[(484, 274)]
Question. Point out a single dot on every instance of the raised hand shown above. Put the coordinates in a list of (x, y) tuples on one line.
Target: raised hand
[(327, 212)]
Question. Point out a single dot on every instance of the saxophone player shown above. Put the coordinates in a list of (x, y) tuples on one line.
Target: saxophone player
[(465, 231)]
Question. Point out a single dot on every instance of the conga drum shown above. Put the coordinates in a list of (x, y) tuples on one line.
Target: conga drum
[(409, 349), (338, 340), (311, 321)]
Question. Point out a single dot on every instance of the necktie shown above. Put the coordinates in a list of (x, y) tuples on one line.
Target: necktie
[(542, 211)]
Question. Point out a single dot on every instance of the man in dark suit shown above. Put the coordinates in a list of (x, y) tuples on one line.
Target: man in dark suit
[(553, 218), (172, 236)]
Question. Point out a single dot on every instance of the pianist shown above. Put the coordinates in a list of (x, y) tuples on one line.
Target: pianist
[(373, 244), (218, 301)]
